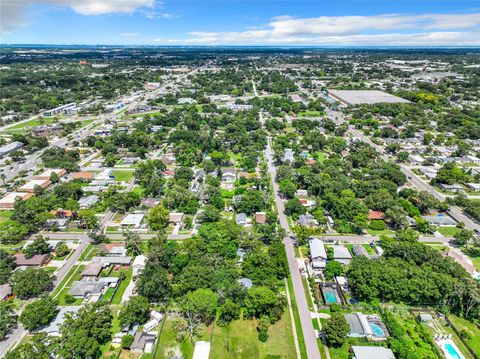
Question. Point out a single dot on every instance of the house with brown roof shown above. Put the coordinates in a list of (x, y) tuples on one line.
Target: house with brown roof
[(260, 217), (37, 260), (48, 173), (375, 215), (85, 176)]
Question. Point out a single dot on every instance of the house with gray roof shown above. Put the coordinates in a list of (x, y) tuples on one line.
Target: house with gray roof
[(53, 328), (86, 288), (359, 250), (341, 254)]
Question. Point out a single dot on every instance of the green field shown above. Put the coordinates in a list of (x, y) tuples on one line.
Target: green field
[(448, 231), (471, 329), (124, 176), (309, 114), (117, 298), (31, 123)]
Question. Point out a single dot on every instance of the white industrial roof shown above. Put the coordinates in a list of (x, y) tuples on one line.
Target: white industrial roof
[(369, 352), (355, 97)]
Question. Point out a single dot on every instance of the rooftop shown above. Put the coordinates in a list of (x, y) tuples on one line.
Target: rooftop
[(356, 97)]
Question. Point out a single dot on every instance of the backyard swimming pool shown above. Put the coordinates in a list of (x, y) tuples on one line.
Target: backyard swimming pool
[(450, 350), (330, 297), (377, 330)]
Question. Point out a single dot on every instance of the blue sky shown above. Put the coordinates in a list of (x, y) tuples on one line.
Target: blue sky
[(230, 22)]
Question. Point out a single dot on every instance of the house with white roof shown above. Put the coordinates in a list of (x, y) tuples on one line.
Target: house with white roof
[(318, 254)]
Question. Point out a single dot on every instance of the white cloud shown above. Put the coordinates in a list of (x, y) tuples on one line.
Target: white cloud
[(129, 34), (390, 29), (12, 11)]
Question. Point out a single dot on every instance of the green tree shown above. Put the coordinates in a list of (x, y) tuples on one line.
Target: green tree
[(158, 217), (83, 334), (287, 188), (407, 235), (251, 202), (262, 301), (294, 207), (133, 243), (228, 311), (39, 347), (89, 218), (333, 269), (30, 282), (8, 319), (336, 330), (127, 341), (39, 313), (136, 310), (61, 250), (7, 265), (197, 307), (462, 237), (39, 246)]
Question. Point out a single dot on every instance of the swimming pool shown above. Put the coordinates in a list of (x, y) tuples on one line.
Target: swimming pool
[(330, 297), (452, 351), (376, 330)]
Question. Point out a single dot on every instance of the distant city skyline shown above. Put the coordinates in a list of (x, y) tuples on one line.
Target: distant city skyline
[(233, 22)]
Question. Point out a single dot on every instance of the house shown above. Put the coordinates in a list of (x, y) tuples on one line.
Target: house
[(246, 282), (375, 215), (60, 224), (87, 201), (202, 350), (175, 217), (156, 317), (92, 270), (318, 254), (132, 220), (86, 288), (143, 342), (47, 130), (53, 328), (474, 186), (8, 201), (455, 188), (228, 175), (5, 291), (149, 202), (85, 176), (260, 217), (32, 184), (37, 260), (341, 254), (301, 193), (117, 251), (415, 159), (307, 220), (184, 100), (45, 175), (241, 219), (10, 147), (425, 317), (342, 282), (94, 189), (359, 250), (366, 326), (370, 352), (308, 203), (288, 155), (167, 159), (440, 220)]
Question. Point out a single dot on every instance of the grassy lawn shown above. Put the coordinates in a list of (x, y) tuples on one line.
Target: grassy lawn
[(476, 262), (34, 122), (471, 329), (117, 298), (296, 317), (124, 176), (307, 293), (309, 114), (167, 343), (448, 231), (86, 252), (138, 190), (62, 290), (240, 340), (107, 297), (5, 216)]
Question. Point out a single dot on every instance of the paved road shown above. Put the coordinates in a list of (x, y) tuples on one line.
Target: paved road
[(19, 332), (304, 313), (114, 236), (454, 211)]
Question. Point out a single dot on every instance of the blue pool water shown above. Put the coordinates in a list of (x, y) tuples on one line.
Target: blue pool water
[(376, 330), (452, 351), (330, 297)]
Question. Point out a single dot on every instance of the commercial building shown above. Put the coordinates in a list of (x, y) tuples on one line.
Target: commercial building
[(357, 97), (10, 147), (45, 175), (30, 185), (8, 201), (65, 109)]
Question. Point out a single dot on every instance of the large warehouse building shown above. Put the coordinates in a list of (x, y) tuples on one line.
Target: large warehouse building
[(357, 97)]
